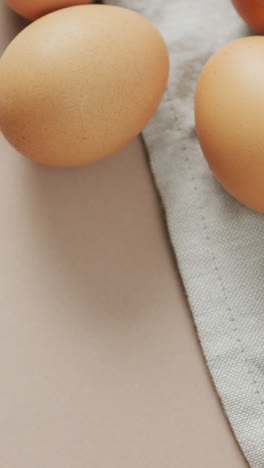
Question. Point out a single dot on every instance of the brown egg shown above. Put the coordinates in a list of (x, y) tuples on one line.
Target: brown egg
[(252, 11), (229, 111), (33, 9), (80, 83)]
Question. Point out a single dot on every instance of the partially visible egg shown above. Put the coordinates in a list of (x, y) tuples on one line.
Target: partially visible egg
[(33, 9), (80, 83), (252, 11), (229, 112)]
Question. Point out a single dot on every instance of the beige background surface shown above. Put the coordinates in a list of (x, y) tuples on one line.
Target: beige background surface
[(99, 361)]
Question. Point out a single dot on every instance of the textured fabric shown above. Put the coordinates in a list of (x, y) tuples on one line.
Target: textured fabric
[(218, 243)]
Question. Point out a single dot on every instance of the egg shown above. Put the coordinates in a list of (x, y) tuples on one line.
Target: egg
[(229, 114), (33, 9), (80, 83), (252, 11)]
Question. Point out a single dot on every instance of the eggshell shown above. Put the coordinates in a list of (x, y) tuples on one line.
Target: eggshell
[(229, 112), (33, 9), (252, 11), (80, 83)]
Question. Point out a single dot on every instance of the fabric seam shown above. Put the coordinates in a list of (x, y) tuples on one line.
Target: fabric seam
[(219, 277)]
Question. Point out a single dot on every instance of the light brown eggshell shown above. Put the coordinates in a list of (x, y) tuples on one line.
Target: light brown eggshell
[(80, 83), (229, 112), (33, 9)]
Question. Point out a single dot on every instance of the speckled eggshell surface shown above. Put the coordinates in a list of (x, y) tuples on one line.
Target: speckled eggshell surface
[(80, 83)]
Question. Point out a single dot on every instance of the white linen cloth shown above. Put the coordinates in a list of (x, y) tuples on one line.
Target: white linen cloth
[(218, 243)]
